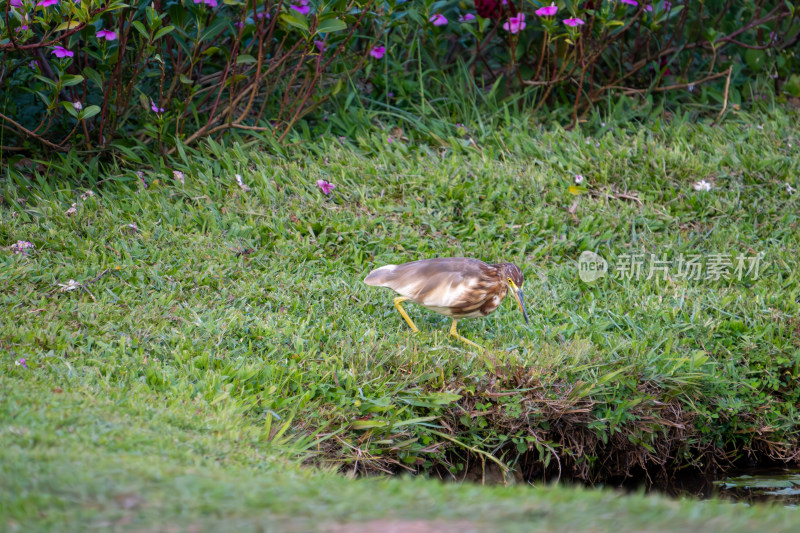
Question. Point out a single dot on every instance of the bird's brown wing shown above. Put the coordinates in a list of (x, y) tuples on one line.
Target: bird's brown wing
[(440, 283)]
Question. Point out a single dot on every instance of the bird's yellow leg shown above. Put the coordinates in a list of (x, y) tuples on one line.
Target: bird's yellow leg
[(455, 334), (397, 302)]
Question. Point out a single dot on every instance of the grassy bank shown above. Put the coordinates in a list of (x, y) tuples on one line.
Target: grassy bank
[(222, 333)]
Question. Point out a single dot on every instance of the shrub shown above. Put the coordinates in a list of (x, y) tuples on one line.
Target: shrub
[(100, 73), (92, 73)]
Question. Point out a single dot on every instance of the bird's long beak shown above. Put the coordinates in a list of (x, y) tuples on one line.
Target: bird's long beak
[(521, 301)]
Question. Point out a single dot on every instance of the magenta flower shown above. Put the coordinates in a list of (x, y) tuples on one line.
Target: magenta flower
[(630, 2), (259, 16), (108, 35), (547, 11), (60, 51), (466, 18), (515, 24), (155, 108), (325, 187), (377, 52), (320, 46), (438, 20), (573, 22), (667, 5), (209, 3), (45, 3), (303, 10), (239, 24), (22, 28), (21, 363), (16, 3), (33, 65)]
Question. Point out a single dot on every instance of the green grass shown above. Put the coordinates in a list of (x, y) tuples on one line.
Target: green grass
[(230, 338)]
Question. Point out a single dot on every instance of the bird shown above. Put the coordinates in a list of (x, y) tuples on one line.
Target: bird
[(457, 287)]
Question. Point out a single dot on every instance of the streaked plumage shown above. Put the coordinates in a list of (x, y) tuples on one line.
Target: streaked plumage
[(457, 287)]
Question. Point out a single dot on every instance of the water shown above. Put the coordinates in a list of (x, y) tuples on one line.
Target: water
[(761, 485)]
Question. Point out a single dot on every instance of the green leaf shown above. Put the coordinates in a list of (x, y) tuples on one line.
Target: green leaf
[(70, 108), (186, 80), (71, 79), (162, 32), (95, 76), (246, 59), (368, 424), (67, 25), (331, 25), (48, 81), (89, 112), (141, 29), (298, 21), (792, 85), (577, 190), (755, 59)]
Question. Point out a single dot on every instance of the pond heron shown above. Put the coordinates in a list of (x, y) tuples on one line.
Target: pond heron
[(458, 287)]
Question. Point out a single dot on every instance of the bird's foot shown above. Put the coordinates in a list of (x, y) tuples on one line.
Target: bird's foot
[(455, 334), (397, 302)]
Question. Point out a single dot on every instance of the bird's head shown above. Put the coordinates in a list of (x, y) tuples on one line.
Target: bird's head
[(515, 280)]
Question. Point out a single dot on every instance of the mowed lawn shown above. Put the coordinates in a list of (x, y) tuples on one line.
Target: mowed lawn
[(204, 355)]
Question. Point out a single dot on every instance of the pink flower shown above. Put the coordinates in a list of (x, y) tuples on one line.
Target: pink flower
[(377, 52), (60, 51), (325, 187), (178, 175), (466, 18), (209, 3), (21, 363), (515, 24), (20, 246), (630, 2), (303, 10), (547, 11), (108, 35), (155, 108), (77, 105), (573, 22), (438, 20), (45, 3), (320, 46)]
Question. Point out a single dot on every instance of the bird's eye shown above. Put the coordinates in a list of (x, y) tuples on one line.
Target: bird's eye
[(510, 281)]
